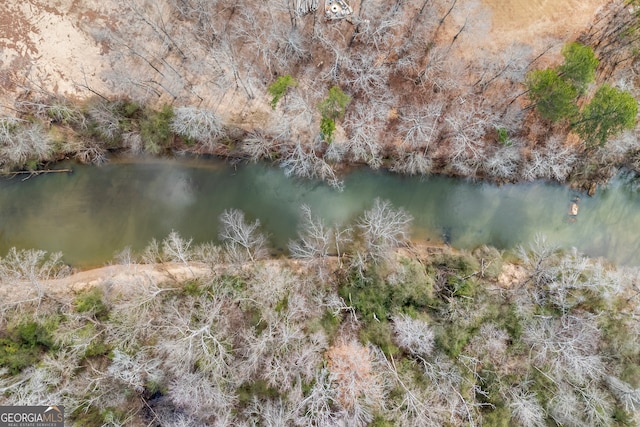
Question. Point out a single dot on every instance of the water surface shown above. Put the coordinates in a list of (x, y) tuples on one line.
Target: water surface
[(96, 211)]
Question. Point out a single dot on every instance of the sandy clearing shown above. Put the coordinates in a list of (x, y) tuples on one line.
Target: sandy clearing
[(120, 279), (42, 43), (529, 21)]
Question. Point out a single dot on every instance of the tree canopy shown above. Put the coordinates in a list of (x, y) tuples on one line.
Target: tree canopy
[(278, 88), (555, 90), (579, 67), (335, 104), (332, 107), (553, 96), (610, 111)]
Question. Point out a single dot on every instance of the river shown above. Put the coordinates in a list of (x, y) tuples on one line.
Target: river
[(96, 211)]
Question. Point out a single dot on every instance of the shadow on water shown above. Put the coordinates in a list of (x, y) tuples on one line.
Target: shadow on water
[(96, 211)]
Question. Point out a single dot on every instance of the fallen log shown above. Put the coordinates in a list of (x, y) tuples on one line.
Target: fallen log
[(37, 172)]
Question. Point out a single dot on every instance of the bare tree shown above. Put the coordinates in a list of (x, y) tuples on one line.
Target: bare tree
[(467, 126), (628, 396), (22, 142), (303, 7), (441, 71), (577, 407), (303, 162), (539, 258), (257, 145), (242, 239), (416, 406), (376, 23), (270, 413), (413, 335), (365, 125), (553, 161), (196, 335), (490, 343), (504, 162), (197, 124), (360, 388), (412, 163), (200, 396), (568, 346), (367, 73), (314, 238), (176, 248), (448, 380), (420, 127), (136, 371), (283, 354), (384, 228), (526, 411), (31, 268), (319, 407)]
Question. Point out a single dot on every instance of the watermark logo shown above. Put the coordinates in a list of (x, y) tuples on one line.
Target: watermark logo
[(31, 416)]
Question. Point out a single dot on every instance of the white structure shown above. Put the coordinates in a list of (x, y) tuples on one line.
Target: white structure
[(302, 7), (337, 9)]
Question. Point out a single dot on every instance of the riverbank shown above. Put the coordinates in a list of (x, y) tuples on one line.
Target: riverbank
[(409, 109), (133, 277), (363, 338), (95, 130)]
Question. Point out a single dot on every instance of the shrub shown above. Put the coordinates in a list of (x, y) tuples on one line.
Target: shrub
[(327, 127), (24, 345), (411, 285), (257, 389), (91, 302), (452, 338), (155, 129), (368, 295), (278, 88), (332, 108), (503, 137), (381, 335), (335, 104), (500, 416)]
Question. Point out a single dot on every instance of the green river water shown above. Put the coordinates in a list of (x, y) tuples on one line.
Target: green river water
[(96, 211)]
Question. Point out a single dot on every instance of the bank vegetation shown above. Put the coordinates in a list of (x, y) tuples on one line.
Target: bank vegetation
[(356, 326), (403, 87)]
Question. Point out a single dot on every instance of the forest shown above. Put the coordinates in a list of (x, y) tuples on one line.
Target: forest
[(418, 87), (357, 327), (356, 324)]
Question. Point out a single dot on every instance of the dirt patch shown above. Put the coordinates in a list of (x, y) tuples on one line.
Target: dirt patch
[(512, 275), (49, 44), (530, 21), (47, 40), (120, 279)]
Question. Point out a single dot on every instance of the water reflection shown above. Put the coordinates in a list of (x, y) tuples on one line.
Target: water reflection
[(96, 211)]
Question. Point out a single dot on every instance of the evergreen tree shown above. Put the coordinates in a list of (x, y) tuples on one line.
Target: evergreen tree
[(579, 67), (610, 111), (553, 96)]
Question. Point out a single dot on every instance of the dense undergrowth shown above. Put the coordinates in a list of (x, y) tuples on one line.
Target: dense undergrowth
[(356, 327)]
